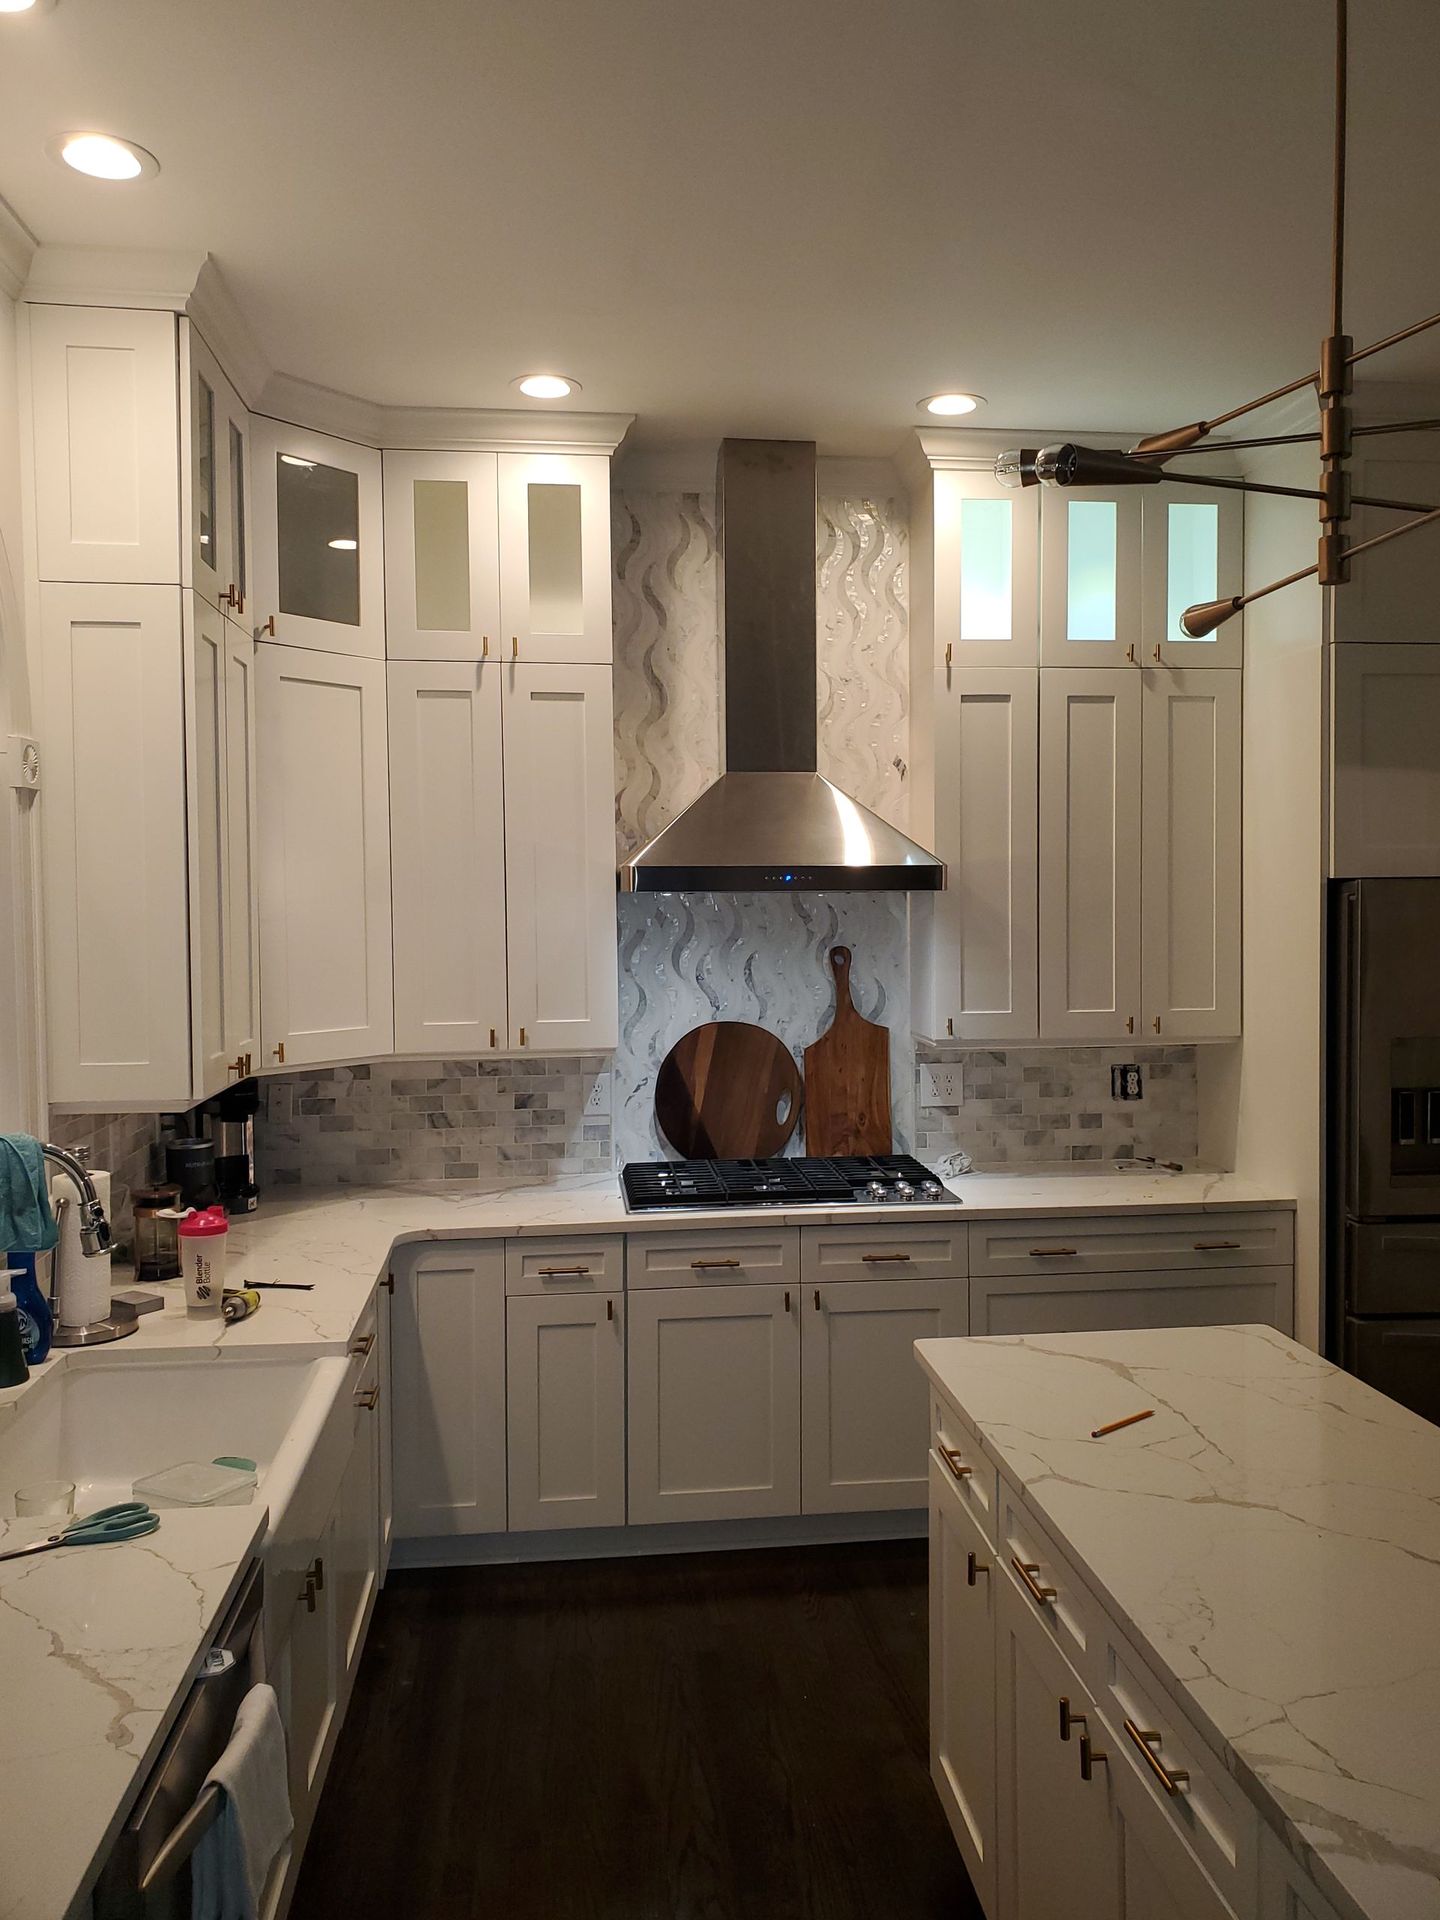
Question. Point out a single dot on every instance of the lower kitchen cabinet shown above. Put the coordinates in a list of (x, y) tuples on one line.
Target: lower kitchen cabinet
[(310, 1669), (448, 1364), (565, 1410), (1104, 1302), (865, 1413), (714, 1403), (356, 1542), (963, 1589)]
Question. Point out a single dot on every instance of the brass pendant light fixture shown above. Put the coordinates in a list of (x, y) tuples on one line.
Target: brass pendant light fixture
[(1070, 465)]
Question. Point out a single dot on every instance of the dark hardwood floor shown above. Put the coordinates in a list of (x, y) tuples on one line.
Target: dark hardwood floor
[(734, 1736)]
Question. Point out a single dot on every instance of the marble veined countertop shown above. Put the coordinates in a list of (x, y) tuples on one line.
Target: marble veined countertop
[(98, 1646), (1272, 1537)]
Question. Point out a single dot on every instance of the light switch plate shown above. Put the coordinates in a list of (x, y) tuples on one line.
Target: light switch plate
[(942, 1086), (597, 1100)]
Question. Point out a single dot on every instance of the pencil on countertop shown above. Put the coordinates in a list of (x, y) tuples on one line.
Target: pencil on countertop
[(1099, 1433)]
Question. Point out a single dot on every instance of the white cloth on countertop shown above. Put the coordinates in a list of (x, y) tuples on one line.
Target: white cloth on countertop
[(232, 1863)]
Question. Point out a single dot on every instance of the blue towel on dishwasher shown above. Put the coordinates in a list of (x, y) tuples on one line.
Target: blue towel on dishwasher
[(26, 1222)]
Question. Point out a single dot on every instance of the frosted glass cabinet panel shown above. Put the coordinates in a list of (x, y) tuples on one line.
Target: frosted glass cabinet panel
[(1193, 551), (985, 572), (318, 561), (555, 558), (442, 567), (214, 456), (1090, 577)]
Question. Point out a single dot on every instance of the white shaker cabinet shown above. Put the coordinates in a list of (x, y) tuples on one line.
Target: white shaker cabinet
[(241, 966), (442, 556), (560, 858), (1090, 577), (714, 1403), (964, 1587), (215, 458), (319, 565), (565, 1409), (1090, 744), (447, 857), (985, 572), (104, 411), (865, 1413), (1193, 551), (1190, 862), (447, 1362), (976, 968), (114, 840), (554, 521), (326, 977)]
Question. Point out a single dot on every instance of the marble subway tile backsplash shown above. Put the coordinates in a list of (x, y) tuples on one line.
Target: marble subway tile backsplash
[(397, 1120), (124, 1144), (1023, 1105)]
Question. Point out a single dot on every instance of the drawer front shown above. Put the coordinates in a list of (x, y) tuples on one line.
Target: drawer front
[(883, 1252), (1188, 1784), (1133, 1242), (567, 1265), (1095, 1302), (713, 1257), (955, 1450), (1052, 1589)]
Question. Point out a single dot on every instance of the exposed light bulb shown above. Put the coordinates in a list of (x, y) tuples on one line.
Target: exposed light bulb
[(1017, 468), (546, 386), (103, 157), (947, 405)]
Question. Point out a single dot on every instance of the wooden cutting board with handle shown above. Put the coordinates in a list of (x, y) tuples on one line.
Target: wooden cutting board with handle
[(728, 1091), (847, 1078)]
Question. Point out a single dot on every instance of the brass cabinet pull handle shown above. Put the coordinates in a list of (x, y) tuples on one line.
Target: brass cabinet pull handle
[(308, 1593), (492, 1036), (317, 1574), (949, 655), (484, 646), (1130, 654), (522, 1036), (882, 1259), (547, 1272), (1053, 1253), (369, 1399), (269, 628), (701, 1266), (1217, 1246), (363, 1345), (279, 1053), (1069, 1720), (952, 1460), (1027, 1570), (1130, 1023), (787, 1299), (1090, 1758), (973, 1568), (1172, 1779), (1158, 661), (514, 647), (817, 1299), (389, 1283), (609, 1309), (237, 1066), (1157, 1023)]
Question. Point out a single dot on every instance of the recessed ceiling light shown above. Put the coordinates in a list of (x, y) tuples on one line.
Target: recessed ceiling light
[(26, 6), (345, 546), (951, 403), (546, 386), (102, 156)]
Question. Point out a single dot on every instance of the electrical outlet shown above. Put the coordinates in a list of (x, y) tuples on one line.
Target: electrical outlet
[(1127, 1083), (597, 1101), (942, 1086)]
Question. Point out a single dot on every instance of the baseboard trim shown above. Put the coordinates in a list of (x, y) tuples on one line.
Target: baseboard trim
[(703, 1536)]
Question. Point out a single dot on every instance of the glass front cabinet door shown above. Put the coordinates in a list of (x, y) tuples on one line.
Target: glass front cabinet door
[(555, 558), (985, 572), (1090, 577), (318, 560), (442, 567), (1193, 551), (215, 451)]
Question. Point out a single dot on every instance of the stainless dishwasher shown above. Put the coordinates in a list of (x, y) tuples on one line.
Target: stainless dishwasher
[(147, 1876)]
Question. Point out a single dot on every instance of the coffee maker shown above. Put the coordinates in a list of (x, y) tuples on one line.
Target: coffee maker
[(229, 1122)]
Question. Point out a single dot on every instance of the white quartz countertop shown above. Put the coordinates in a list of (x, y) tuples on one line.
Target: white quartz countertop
[(1272, 1536), (98, 1646)]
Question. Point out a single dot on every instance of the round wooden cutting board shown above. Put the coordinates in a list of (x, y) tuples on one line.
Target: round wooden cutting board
[(728, 1091)]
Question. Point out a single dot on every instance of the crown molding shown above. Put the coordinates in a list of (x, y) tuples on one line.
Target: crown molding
[(439, 429), (216, 313), (17, 250), (113, 277)]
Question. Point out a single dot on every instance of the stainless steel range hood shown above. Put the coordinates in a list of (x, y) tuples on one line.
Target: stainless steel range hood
[(771, 822)]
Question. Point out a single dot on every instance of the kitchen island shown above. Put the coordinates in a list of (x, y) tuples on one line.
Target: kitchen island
[(1234, 1599)]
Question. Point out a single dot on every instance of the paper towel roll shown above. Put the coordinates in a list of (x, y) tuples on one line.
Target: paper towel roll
[(82, 1287)]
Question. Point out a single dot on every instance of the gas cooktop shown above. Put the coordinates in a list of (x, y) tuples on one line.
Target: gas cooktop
[(886, 1179)]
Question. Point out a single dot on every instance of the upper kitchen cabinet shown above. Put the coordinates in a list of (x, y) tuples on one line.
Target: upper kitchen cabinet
[(560, 858), (318, 562), (554, 520), (104, 425), (985, 557), (1090, 577), (324, 858), (442, 557), (215, 457), (1193, 551), (1390, 598)]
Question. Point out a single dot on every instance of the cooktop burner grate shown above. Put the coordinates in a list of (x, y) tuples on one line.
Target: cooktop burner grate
[(653, 1186)]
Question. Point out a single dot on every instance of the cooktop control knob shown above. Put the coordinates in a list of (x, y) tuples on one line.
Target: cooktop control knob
[(904, 1190), (931, 1190)]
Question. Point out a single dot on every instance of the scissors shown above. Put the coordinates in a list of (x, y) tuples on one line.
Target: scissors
[(130, 1520)]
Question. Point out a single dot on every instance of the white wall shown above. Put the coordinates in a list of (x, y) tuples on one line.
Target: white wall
[(1272, 1083)]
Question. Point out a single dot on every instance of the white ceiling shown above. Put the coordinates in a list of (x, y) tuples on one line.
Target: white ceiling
[(782, 217)]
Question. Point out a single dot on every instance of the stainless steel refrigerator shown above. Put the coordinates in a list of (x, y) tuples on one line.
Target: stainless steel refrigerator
[(1384, 1187)]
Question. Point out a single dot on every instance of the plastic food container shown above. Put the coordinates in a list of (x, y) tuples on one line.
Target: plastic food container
[(196, 1483)]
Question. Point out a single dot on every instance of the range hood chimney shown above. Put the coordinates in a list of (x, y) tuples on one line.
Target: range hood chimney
[(771, 822)]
